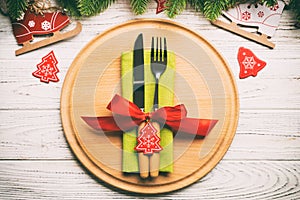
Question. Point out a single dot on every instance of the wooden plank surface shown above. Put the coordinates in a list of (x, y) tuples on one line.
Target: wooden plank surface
[(262, 162), (35, 137), (229, 180)]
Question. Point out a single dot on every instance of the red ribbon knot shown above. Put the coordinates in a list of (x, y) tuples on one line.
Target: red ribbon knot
[(127, 115)]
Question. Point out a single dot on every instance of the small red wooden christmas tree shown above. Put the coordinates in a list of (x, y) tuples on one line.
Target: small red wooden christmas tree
[(47, 69), (148, 141)]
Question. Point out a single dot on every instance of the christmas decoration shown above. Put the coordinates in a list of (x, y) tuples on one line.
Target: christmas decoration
[(36, 22), (38, 25), (160, 6), (175, 7), (47, 69), (3, 7), (211, 9), (127, 116), (250, 65), (148, 141), (265, 18), (295, 6)]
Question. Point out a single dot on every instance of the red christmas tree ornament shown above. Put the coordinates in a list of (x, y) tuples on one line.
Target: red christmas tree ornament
[(47, 69), (148, 141), (160, 6), (250, 65)]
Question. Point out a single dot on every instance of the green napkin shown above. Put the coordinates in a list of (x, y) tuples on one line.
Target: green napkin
[(166, 98)]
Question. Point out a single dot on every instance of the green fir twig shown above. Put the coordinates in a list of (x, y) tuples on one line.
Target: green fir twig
[(175, 7), (93, 7), (71, 6), (198, 5), (139, 6), (295, 6), (16, 8), (211, 9)]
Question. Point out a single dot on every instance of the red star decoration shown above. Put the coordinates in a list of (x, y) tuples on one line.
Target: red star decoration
[(148, 141), (250, 65), (160, 6), (47, 69)]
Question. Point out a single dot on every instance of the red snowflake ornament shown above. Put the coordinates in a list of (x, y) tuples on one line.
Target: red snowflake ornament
[(250, 65), (148, 141), (260, 14), (246, 15), (160, 6), (47, 69)]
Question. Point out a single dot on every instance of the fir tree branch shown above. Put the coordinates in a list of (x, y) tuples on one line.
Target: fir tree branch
[(70, 6), (213, 8), (295, 6), (175, 7), (93, 7), (270, 2), (16, 8), (139, 6), (198, 5)]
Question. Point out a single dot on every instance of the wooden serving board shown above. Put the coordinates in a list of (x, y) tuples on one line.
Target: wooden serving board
[(203, 83)]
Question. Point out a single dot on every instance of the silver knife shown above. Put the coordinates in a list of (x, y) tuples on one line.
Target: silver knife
[(139, 95), (138, 72)]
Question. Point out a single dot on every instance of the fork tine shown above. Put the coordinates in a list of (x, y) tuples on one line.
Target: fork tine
[(156, 49), (160, 50), (152, 50), (165, 51)]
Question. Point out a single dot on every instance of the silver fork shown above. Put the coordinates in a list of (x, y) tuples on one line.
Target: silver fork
[(158, 67), (158, 64)]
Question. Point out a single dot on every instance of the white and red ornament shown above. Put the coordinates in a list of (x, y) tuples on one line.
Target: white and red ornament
[(250, 65), (260, 17), (33, 24), (257, 15), (47, 69), (48, 23), (148, 141)]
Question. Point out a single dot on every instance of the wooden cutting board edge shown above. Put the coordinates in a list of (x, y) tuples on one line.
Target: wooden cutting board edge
[(212, 161)]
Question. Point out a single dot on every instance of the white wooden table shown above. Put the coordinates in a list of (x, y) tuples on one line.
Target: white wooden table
[(263, 161)]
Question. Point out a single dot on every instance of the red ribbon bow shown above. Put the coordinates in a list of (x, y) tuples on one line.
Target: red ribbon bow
[(127, 115)]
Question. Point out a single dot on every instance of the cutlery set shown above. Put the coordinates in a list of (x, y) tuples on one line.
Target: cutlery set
[(148, 163)]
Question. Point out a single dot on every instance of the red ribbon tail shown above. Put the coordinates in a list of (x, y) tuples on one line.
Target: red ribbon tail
[(205, 126), (112, 123), (102, 123), (200, 127)]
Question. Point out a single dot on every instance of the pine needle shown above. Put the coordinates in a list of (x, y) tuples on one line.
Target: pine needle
[(175, 7), (213, 8), (70, 6), (139, 6), (92, 7), (198, 5), (16, 8), (295, 6)]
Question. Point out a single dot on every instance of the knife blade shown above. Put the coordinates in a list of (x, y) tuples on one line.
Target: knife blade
[(139, 95), (138, 72)]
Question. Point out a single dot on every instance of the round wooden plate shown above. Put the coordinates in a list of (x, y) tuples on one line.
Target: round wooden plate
[(203, 83)]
